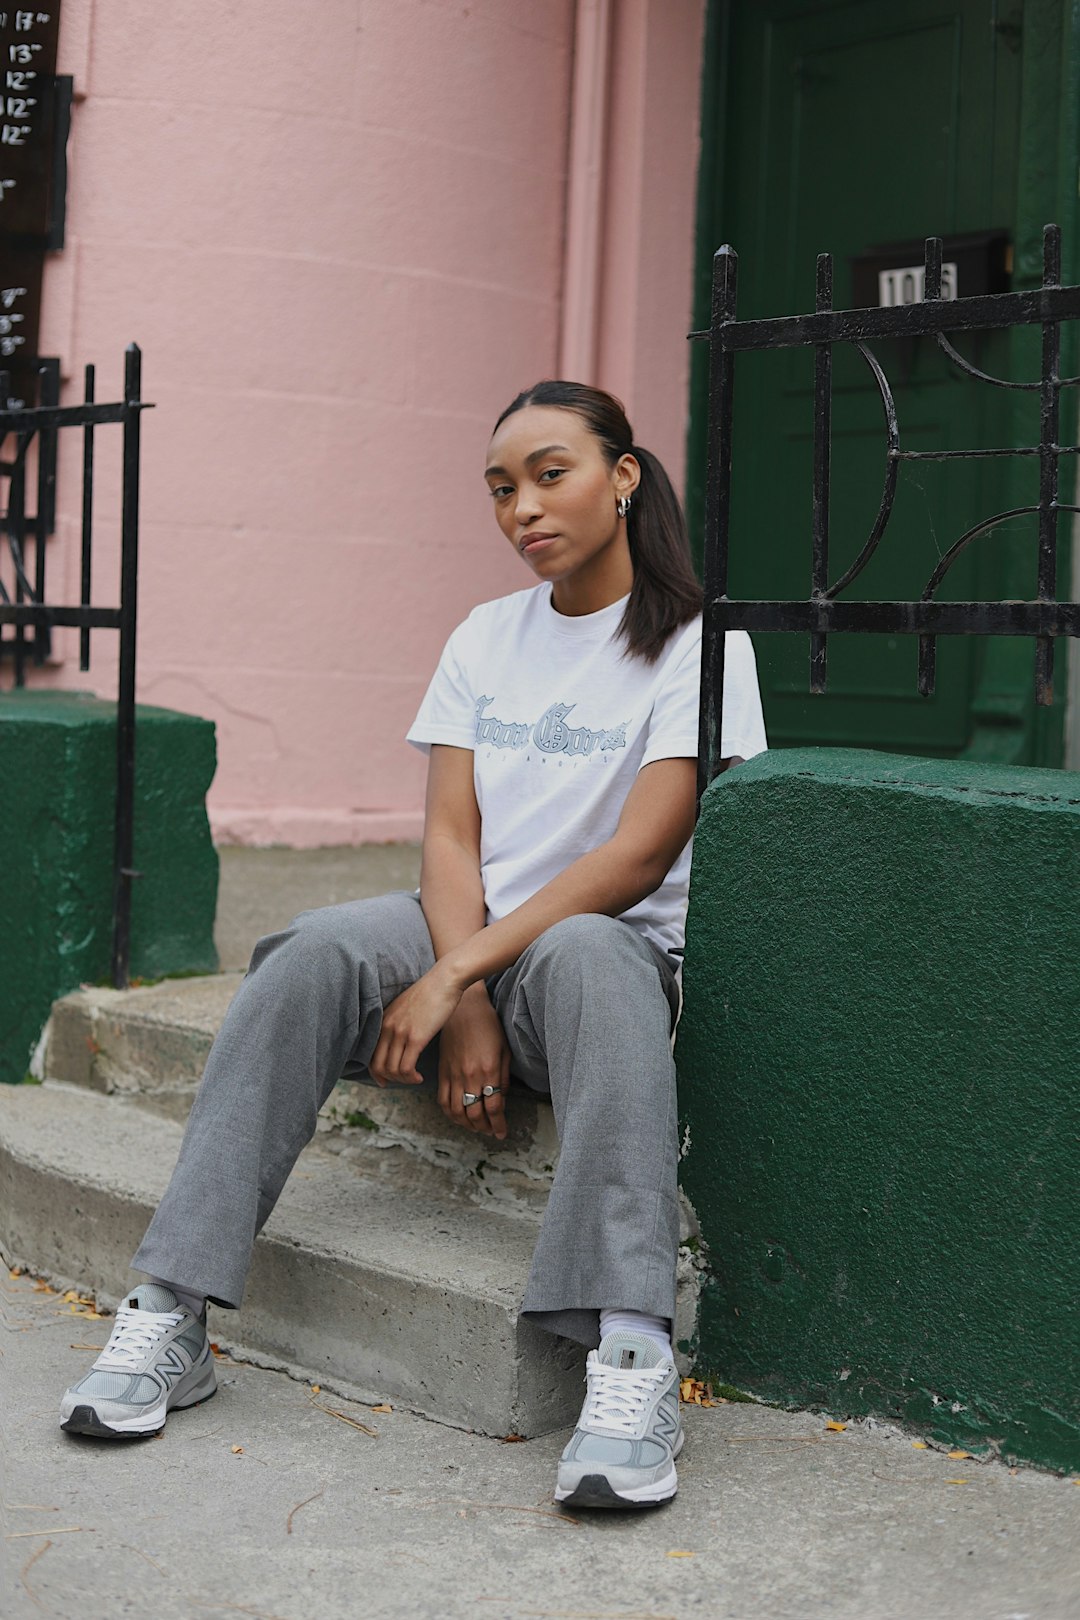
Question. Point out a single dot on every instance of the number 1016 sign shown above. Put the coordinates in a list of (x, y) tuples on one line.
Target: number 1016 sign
[(906, 286)]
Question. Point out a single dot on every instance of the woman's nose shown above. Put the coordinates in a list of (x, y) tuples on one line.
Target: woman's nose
[(528, 504)]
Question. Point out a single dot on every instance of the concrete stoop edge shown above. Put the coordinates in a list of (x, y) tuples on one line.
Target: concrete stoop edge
[(381, 1293)]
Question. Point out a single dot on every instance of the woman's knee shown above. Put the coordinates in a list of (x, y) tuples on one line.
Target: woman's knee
[(321, 936), (591, 946), (582, 935)]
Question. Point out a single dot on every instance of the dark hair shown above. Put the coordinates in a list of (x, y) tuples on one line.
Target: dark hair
[(665, 593)]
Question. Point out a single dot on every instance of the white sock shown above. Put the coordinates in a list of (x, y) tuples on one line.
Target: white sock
[(656, 1328), (196, 1303)]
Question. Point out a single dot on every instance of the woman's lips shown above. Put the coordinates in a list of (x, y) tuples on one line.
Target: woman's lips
[(536, 542)]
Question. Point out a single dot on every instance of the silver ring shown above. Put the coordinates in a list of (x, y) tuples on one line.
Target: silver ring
[(468, 1098), (489, 1091)]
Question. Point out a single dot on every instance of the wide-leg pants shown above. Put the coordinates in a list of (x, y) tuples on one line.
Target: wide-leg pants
[(587, 1009)]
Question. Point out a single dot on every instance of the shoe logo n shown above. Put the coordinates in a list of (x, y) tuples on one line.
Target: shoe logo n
[(172, 1366), (667, 1419)]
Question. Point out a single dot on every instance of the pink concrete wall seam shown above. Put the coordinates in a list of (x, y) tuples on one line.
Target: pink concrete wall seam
[(586, 179)]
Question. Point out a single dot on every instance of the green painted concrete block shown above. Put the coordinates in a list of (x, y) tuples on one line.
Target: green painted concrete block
[(879, 1066), (57, 797)]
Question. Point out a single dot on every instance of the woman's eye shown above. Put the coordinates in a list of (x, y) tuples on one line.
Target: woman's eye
[(499, 492), (551, 473)]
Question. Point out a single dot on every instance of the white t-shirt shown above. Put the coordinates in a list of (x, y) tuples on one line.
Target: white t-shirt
[(560, 722)]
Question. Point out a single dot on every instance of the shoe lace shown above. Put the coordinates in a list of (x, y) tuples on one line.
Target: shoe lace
[(617, 1397), (134, 1333)]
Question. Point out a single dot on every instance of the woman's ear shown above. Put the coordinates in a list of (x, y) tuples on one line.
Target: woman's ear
[(626, 475)]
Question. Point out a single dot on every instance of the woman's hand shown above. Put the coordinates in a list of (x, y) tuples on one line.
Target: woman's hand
[(410, 1023), (473, 1053)]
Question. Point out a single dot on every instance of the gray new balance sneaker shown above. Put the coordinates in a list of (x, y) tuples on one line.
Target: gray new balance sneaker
[(628, 1435), (157, 1357)]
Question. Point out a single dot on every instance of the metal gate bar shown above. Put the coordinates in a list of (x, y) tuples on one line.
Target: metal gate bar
[(30, 611)]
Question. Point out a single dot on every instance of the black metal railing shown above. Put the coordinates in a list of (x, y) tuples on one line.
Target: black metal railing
[(822, 612), (24, 607)]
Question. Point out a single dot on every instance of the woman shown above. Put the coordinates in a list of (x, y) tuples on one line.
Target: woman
[(561, 729)]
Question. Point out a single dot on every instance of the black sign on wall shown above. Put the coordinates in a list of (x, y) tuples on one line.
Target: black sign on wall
[(34, 116)]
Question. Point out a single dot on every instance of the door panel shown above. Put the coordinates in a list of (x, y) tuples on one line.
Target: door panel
[(850, 125)]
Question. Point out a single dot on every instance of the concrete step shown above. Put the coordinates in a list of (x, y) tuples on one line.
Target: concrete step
[(150, 1044), (372, 1276)]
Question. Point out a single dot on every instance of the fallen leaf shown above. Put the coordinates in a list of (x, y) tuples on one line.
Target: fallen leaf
[(837, 1428), (384, 1406), (918, 1445), (957, 1455), (692, 1392), (956, 1482), (237, 1450), (40, 1286), (678, 1552), (508, 1439), (83, 1305), (15, 1272), (316, 1389)]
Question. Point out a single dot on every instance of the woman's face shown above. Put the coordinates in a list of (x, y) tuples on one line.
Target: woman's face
[(554, 493)]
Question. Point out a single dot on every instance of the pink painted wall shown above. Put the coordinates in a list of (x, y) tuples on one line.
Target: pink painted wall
[(338, 234)]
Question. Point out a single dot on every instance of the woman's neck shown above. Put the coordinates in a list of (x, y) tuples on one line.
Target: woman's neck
[(605, 579)]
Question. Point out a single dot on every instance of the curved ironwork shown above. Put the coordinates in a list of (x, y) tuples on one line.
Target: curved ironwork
[(892, 469), (995, 382), (973, 371), (965, 540)]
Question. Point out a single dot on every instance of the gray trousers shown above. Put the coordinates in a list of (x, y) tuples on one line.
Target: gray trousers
[(588, 1011)]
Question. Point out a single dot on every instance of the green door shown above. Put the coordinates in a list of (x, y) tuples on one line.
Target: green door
[(838, 127)]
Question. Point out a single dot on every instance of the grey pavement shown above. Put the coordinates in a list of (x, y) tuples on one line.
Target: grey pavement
[(262, 1503)]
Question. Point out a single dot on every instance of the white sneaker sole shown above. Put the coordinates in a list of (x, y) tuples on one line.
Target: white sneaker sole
[(84, 1418)]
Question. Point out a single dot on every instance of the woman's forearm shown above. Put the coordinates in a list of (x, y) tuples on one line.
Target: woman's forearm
[(604, 880), (451, 892)]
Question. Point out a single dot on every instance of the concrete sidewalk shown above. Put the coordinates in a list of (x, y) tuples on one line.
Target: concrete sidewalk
[(312, 1518), (262, 889)]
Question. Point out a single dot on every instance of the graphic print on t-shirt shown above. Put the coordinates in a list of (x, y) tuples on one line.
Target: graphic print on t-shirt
[(550, 734)]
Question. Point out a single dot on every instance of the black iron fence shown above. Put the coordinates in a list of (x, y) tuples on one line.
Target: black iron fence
[(28, 457), (823, 612)]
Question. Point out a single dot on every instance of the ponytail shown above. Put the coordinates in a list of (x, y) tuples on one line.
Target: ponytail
[(665, 594)]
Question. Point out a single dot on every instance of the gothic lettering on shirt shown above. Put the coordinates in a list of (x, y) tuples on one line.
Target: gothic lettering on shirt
[(550, 734)]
